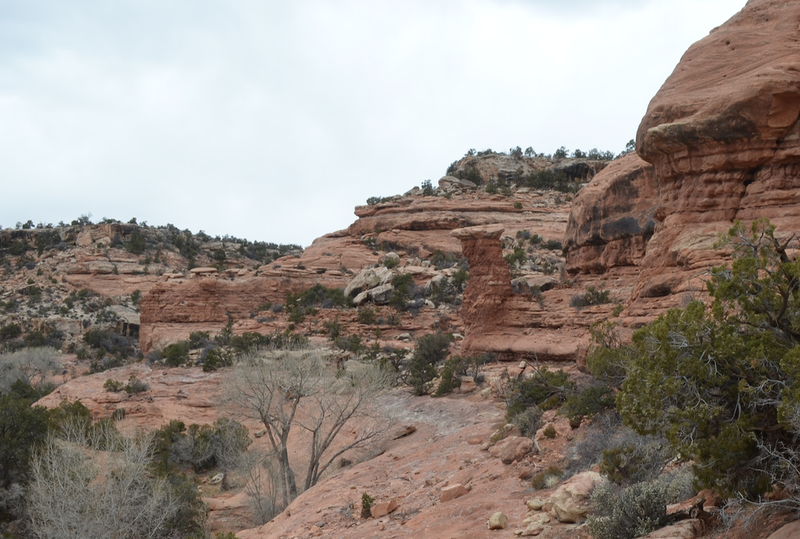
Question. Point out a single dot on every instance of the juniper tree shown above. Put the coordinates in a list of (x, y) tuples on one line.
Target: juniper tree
[(720, 381)]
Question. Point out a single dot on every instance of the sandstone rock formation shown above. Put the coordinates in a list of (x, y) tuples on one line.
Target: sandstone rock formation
[(724, 142), (611, 219), (572, 501), (513, 325)]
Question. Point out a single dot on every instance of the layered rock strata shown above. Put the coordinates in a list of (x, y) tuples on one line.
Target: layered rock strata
[(723, 136), (520, 325), (723, 143)]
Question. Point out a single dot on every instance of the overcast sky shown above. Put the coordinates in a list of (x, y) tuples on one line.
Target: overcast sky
[(271, 120)]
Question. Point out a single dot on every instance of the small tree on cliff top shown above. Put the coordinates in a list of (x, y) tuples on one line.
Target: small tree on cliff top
[(722, 384), (300, 391)]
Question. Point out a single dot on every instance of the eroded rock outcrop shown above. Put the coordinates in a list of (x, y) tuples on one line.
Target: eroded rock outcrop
[(723, 136), (517, 325), (723, 140), (611, 219)]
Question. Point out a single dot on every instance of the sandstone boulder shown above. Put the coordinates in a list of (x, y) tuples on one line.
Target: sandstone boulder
[(572, 501), (685, 529), (381, 294), (789, 531), (498, 521), (382, 509), (367, 279), (452, 492), (512, 448)]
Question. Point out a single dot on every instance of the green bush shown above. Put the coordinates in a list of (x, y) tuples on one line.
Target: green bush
[(635, 459), (636, 510), (588, 403), (529, 421), (544, 388), (22, 427), (547, 478), (176, 354), (403, 286), (722, 385), (591, 297), (216, 358), (135, 385), (136, 243), (207, 446), (518, 255), (113, 386), (430, 350), (10, 331), (317, 295), (366, 505), (367, 316), (457, 366)]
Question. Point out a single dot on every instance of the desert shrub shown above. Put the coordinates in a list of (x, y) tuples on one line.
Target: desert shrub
[(552, 245), (460, 277), (549, 431), (592, 296), (403, 289), (544, 388), (209, 446), (366, 505), (136, 243), (31, 366), (216, 358), (318, 295), (367, 316), (23, 427), (136, 297), (457, 366), (113, 386), (176, 354), (547, 478), (721, 384), (430, 350), (635, 459), (69, 413), (110, 342), (427, 188), (518, 255), (10, 331), (103, 364), (528, 421), (588, 403), (378, 200), (625, 513), (249, 342), (552, 180), (135, 385), (444, 293), (441, 260)]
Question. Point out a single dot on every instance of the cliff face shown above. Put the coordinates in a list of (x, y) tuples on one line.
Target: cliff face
[(723, 143), (612, 219)]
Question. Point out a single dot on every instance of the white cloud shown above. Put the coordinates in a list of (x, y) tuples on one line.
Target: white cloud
[(271, 120)]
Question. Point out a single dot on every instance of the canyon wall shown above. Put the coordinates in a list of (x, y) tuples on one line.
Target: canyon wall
[(721, 142)]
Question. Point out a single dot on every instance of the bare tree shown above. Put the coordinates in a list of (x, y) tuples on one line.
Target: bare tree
[(261, 483), (287, 389), (78, 492), (31, 365)]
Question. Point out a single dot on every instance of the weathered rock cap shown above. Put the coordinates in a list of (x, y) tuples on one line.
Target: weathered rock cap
[(479, 232)]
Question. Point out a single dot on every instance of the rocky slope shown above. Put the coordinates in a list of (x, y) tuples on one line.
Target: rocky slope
[(60, 282), (416, 227)]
